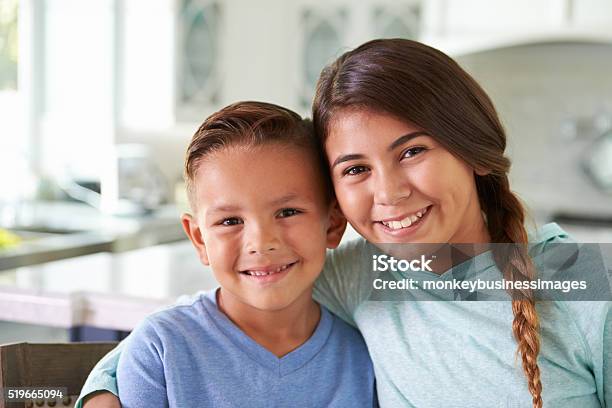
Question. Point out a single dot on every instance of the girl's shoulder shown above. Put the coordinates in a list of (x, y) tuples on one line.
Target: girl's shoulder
[(581, 266), (549, 233), (565, 259)]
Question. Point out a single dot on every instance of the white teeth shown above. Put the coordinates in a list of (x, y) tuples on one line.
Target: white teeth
[(262, 273), (406, 222)]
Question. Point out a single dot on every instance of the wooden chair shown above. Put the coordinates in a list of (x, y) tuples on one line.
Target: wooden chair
[(64, 365)]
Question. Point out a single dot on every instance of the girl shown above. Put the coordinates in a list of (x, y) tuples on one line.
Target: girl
[(416, 155)]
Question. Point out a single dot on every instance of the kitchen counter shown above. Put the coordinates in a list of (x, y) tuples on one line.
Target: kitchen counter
[(105, 290), (68, 229)]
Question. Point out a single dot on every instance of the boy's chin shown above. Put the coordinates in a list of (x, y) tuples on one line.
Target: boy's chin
[(273, 303)]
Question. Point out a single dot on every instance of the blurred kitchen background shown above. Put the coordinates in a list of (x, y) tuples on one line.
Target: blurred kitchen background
[(98, 100)]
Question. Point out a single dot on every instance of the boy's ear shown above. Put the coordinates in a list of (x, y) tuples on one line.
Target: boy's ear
[(337, 225), (193, 231)]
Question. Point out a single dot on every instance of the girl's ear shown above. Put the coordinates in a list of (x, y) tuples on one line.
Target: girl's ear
[(193, 231), (482, 172), (336, 227)]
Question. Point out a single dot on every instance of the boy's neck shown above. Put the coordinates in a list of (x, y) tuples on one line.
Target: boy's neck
[(279, 331)]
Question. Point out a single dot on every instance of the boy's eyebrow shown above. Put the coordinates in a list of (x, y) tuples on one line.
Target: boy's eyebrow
[(232, 208), (284, 199), (398, 142), (223, 208)]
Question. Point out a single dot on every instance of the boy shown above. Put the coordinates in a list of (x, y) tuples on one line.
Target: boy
[(263, 216)]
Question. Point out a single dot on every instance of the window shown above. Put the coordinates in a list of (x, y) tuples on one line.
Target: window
[(8, 45), (13, 155), (397, 21), (324, 40), (198, 62)]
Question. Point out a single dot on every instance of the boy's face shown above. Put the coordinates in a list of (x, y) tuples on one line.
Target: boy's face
[(263, 223)]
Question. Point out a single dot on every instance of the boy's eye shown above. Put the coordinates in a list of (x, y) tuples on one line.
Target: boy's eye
[(228, 222), (354, 170), (288, 212), (413, 151)]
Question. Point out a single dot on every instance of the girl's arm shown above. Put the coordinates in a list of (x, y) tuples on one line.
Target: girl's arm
[(346, 279), (607, 358), (102, 381), (594, 320), (101, 399)]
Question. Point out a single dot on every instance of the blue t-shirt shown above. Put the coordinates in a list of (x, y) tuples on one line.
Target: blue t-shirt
[(193, 356)]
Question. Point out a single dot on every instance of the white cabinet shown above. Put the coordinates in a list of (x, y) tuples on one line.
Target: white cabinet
[(479, 17), (274, 50), (464, 26), (593, 14)]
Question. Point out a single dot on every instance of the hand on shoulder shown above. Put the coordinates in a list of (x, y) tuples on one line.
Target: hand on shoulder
[(101, 399)]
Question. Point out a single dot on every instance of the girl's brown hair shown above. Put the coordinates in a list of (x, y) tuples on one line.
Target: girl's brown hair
[(424, 87)]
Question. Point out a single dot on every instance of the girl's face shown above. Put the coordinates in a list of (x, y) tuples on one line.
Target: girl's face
[(396, 184)]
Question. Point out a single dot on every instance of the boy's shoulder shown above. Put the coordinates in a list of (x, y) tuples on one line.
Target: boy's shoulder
[(343, 334), (185, 308), (188, 316)]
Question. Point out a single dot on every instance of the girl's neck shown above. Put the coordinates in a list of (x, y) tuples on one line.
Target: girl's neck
[(474, 229), (279, 331), (471, 240)]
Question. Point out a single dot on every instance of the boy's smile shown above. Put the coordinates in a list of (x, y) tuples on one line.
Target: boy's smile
[(264, 224), (270, 273)]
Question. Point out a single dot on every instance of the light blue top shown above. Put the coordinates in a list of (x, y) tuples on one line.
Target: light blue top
[(194, 356), (460, 354)]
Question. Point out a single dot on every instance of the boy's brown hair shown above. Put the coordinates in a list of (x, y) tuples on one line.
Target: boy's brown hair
[(252, 124)]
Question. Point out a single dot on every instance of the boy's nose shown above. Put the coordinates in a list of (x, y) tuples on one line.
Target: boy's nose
[(261, 239)]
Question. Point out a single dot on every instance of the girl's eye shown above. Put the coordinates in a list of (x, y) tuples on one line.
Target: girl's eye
[(288, 212), (413, 151), (228, 222), (354, 170)]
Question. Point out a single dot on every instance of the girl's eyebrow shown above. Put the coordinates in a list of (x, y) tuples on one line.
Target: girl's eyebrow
[(346, 157), (398, 142), (405, 139)]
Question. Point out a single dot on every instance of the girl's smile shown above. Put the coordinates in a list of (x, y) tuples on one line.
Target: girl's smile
[(404, 226)]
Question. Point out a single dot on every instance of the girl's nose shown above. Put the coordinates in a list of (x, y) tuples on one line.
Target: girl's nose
[(390, 188)]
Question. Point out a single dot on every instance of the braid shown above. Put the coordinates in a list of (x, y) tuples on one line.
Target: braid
[(505, 222)]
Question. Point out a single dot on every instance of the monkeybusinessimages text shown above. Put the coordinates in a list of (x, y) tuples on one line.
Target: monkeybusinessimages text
[(385, 263)]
